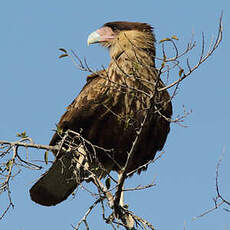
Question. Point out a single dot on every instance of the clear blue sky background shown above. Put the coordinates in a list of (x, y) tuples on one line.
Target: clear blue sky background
[(36, 87)]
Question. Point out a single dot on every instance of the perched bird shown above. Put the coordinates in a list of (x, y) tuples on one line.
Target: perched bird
[(115, 106)]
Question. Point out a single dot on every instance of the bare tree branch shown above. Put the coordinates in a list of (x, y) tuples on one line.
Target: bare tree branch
[(202, 57), (219, 200)]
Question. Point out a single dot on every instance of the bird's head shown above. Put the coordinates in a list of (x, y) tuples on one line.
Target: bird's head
[(122, 36), (113, 30)]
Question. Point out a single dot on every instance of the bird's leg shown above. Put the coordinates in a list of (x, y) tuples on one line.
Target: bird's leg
[(121, 202), (119, 196), (120, 210)]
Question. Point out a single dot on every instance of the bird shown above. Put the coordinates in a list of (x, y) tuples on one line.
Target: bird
[(121, 111)]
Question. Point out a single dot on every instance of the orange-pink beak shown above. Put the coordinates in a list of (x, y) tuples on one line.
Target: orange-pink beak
[(104, 34)]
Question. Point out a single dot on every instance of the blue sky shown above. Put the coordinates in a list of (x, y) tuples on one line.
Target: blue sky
[(36, 87)]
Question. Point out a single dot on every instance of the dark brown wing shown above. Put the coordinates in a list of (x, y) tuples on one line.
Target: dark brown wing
[(108, 116)]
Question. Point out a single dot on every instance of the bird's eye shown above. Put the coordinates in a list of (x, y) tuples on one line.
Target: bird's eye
[(114, 28)]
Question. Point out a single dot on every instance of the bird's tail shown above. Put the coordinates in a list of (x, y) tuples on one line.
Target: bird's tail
[(60, 180)]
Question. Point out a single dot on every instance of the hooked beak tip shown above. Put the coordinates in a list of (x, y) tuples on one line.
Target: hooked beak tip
[(93, 38)]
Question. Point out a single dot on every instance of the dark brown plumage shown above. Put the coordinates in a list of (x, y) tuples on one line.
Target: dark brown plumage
[(111, 107)]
